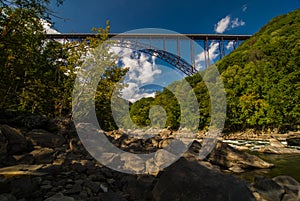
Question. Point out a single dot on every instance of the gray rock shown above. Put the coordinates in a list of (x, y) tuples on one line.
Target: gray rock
[(226, 156), (278, 150), (60, 197), (188, 181), (268, 188), (7, 197), (111, 196), (275, 143), (290, 185)]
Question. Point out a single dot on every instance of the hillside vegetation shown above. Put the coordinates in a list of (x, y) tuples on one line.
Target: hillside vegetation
[(261, 78)]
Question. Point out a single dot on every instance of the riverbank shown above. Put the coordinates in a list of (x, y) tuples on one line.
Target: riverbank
[(43, 160)]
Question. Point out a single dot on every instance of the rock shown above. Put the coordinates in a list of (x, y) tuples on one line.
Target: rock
[(14, 141), (278, 150), (43, 155), (165, 133), (133, 163), (268, 188), (24, 187), (291, 187), (22, 170), (138, 187), (111, 196), (226, 156), (163, 158), (39, 137), (7, 197), (275, 143), (293, 140), (60, 197), (188, 181), (236, 169)]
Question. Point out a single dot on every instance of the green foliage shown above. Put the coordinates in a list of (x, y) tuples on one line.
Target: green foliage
[(261, 78), (37, 74)]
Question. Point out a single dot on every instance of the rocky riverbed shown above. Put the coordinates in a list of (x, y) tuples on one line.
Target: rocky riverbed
[(43, 159)]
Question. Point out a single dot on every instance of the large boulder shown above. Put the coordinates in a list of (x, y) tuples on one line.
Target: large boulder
[(229, 157), (188, 180), (12, 140), (42, 138), (280, 188), (267, 188), (291, 187), (293, 140)]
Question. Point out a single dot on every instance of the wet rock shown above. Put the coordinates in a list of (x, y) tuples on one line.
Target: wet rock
[(189, 181), (42, 138)]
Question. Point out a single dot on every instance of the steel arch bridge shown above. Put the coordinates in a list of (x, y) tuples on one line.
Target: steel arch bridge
[(146, 43)]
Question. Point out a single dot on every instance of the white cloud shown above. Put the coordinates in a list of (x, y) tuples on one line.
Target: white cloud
[(230, 45), (142, 70), (237, 23), (47, 27), (213, 54), (222, 25), (227, 23)]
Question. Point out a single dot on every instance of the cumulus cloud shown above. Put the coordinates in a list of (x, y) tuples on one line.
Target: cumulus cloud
[(230, 45), (142, 71), (47, 27), (213, 54), (222, 25), (237, 23), (228, 23)]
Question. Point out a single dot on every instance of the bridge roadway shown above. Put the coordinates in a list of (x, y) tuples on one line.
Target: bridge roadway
[(152, 35)]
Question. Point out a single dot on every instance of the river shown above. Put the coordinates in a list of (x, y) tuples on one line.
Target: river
[(284, 164)]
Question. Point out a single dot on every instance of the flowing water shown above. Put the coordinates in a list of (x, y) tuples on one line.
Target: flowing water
[(285, 164)]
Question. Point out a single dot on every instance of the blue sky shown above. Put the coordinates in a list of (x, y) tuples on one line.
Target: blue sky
[(190, 16)]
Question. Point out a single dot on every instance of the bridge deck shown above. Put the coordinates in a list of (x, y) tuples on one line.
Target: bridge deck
[(153, 36)]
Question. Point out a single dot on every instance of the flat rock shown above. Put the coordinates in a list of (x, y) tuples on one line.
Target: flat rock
[(22, 170), (278, 150)]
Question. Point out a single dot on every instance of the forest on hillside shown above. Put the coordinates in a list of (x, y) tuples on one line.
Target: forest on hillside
[(261, 78)]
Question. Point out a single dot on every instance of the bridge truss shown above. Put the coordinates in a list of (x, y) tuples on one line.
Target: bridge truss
[(159, 45)]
